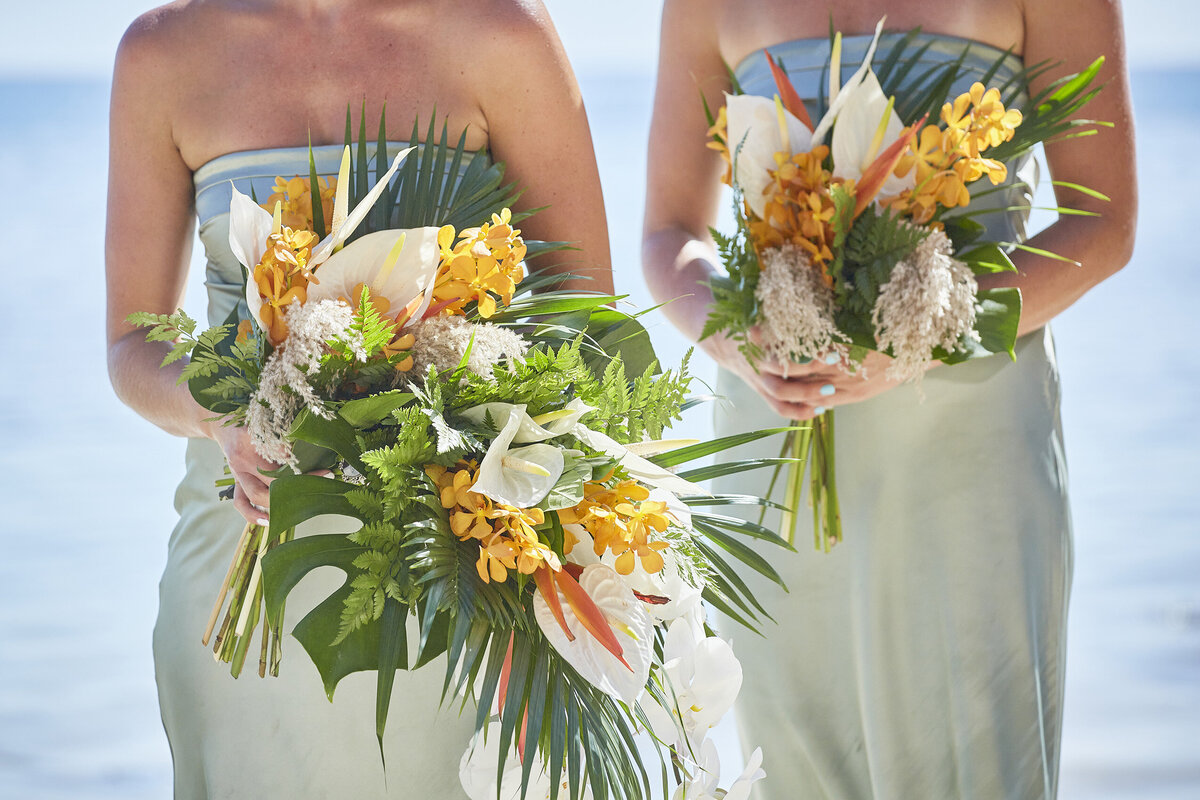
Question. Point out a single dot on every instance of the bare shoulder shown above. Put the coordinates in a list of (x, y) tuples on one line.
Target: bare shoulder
[(511, 25), (160, 31)]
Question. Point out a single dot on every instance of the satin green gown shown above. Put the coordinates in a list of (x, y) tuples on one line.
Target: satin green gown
[(923, 658), (276, 737)]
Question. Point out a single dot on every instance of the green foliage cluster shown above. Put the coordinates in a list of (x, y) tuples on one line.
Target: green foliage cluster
[(868, 251), (735, 308), (222, 372)]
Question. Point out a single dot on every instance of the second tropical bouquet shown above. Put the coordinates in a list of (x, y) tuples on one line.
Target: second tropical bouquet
[(858, 233)]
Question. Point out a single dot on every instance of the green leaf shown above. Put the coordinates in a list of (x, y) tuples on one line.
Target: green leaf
[(986, 259), (731, 468), (299, 498), (739, 550), (393, 655), (996, 322), (568, 491), (365, 412), (336, 434), (682, 455)]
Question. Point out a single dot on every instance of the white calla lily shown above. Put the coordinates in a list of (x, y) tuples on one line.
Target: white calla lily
[(866, 126), (399, 265), (633, 627), (704, 676), (839, 100), (756, 129), (250, 225), (520, 477), (645, 471), (546, 426)]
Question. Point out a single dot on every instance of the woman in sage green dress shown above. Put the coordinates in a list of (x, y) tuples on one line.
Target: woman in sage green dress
[(923, 657), (208, 93)]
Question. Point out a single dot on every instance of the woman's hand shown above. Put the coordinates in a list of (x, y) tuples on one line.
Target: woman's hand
[(803, 391), (251, 492), (820, 385)]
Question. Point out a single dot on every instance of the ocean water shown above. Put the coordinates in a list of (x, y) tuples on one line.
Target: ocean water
[(86, 494)]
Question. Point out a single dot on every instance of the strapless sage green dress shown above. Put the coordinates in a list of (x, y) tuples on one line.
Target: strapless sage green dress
[(276, 737), (923, 658)]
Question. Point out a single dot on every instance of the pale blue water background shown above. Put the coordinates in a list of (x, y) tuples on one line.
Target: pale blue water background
[(85, 501)]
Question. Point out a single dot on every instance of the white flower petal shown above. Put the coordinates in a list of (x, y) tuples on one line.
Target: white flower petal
[(249, 227), (753, 136), (740, 790), (515, 487), (530, 431), (630, 622), (363, 261), (477, 772), (703, 679), (716, 681), (855, 132), (839, 102), (702, 773), (683, 598), (637, 467), (330, 243)]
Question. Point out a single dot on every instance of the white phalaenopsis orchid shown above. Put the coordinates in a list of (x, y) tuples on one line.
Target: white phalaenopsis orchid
[(703, 677), (477, 773), (682, 598), (756, 129), (515, 476), (250, 225), (702, 785), (629, 622)]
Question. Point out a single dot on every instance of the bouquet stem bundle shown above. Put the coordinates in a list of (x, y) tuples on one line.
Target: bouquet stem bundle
[(243, 587)]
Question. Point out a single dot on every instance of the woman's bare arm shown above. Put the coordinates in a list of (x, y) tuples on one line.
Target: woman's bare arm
[(148, 248), (683, 175), (1104, 162), (683, 189), (538, 127), (149, 230)]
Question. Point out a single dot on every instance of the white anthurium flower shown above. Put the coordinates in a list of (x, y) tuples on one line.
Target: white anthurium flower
[(546, 426), (838, 99), (703, 677), (702, 785), (625, 614), (250, 225), (645, 471), (477, 773), (682, 598), (866, 126), (398, 265), (756, 129), (520, 477)]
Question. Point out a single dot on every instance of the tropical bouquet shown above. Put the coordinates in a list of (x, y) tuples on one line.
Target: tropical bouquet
[(500, 442), (860, 233)]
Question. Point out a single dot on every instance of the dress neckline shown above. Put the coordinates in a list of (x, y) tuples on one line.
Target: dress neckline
[(214, 163), (974, 43)]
